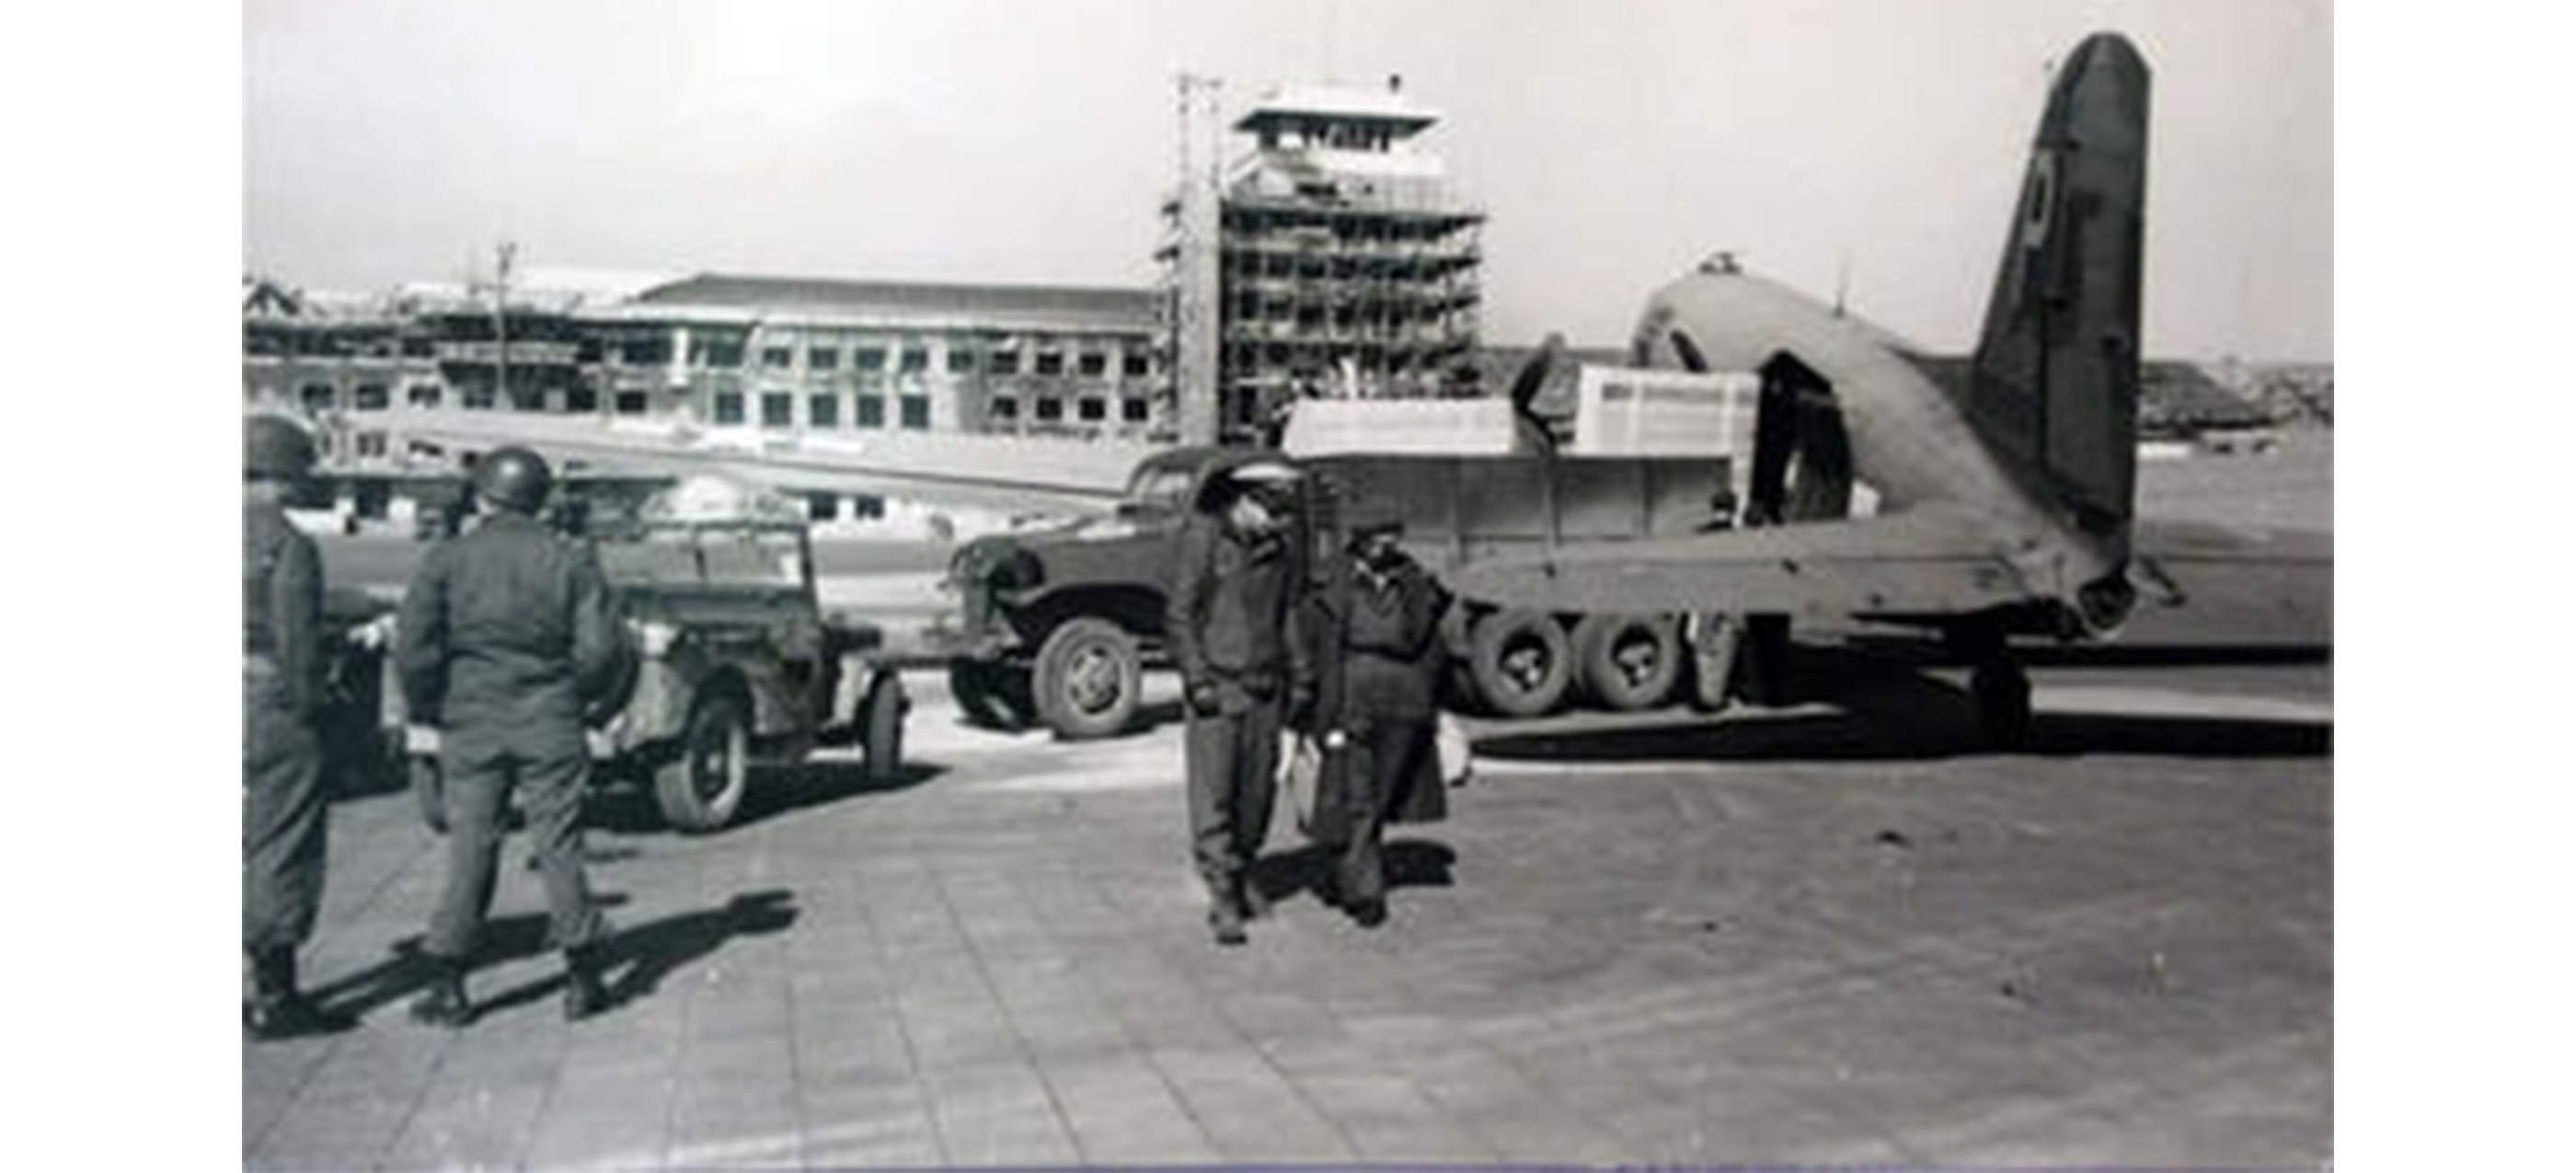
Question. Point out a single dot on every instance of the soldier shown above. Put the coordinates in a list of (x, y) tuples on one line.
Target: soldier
[(284, 833), (508, 640), (1381, 612), (1226, 620)]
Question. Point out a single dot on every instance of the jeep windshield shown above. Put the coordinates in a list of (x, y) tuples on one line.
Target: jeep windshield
[(704, 555)]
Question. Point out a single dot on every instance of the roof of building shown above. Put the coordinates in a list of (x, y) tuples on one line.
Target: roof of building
[(1058, 306), (1337, 102)]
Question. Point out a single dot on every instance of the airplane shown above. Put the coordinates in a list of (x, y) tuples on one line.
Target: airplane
[(2003, 490)]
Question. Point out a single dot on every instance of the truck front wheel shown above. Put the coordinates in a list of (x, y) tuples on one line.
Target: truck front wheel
[(1088, 678), (702, 788)]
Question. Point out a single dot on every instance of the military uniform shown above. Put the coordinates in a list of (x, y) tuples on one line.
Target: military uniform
[(284, 835), (1388, 624), (508, 636), (1226, 624)]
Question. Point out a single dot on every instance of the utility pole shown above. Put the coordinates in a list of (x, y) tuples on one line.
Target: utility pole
[(1197, 378), (501, 325)]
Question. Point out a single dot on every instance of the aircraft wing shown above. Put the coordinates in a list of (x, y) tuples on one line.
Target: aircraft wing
[(1005, 473), (1920, 561)]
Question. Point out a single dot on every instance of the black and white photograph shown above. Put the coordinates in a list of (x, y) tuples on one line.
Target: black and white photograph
[(837, 584)]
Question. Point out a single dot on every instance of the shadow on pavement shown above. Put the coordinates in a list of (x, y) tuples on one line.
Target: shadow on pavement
[(636, 959), (1886, 712), (1306, 870), (628, 807)]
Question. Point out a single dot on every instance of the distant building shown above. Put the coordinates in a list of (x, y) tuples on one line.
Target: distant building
[(788, 354)]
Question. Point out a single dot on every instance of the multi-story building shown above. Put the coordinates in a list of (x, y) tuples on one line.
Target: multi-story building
[(1344, 262), (788, 354)]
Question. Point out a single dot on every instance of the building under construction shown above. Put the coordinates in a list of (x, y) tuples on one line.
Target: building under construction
[(1331, 260)]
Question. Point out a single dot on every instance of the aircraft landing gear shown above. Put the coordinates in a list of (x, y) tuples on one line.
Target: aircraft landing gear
[(2002, 693)]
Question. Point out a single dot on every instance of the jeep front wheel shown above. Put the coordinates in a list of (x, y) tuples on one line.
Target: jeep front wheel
[(991, 695), (702, 788), (1088, 676)]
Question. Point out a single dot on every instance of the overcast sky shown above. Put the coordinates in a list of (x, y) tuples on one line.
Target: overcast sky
[(1614, 143)]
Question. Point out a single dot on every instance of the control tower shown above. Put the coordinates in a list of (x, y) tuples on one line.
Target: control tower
[(1344, 264)]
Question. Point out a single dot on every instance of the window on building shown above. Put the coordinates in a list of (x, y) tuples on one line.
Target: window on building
[(720, 353), (868, 358), (1004, 410), (916, 413), (1050, 410), (729, 407), (871, 411), (823, 411), (1138, 364), (653, 353), (1005, 362), (961, 359), (373, 397), (527, 399), (1135, 411), (778, 357), (478, 397), (633, 403), (777, 409), (419, 348), (1093, 409), (1093, 364), (915, 360), (823, 506), (824, 358), (423, 395), (581, 401), (371, 444), (320, 397), (1050, 362)]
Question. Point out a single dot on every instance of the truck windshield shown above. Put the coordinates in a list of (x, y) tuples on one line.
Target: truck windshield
[(1159, 486)]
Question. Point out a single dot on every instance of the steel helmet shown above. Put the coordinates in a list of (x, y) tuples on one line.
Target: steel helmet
[(513, 478), (274, 448)]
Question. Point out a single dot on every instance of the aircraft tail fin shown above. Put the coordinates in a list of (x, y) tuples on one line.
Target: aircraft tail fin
[(2055, 379)]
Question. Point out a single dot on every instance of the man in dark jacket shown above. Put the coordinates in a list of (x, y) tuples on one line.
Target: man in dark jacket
[(1382, 610), (508, 639), (1226, 619), (284, 830)]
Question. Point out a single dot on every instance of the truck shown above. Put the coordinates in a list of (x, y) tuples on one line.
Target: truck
[(1056, 624), (738, 663)]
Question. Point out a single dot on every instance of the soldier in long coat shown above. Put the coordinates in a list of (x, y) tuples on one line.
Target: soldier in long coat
[(1377, 621)]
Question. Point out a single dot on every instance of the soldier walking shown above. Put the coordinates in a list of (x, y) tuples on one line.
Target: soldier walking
[(284, 811), (1226, 620), (1377, 618), (508, 640)]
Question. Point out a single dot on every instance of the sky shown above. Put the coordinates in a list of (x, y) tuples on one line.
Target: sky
[(1870, 145)]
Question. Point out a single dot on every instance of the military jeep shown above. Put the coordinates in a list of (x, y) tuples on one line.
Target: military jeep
[(738, 666), (1055, 623)]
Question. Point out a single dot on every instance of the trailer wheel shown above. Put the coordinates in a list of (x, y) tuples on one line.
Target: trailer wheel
[(1630, 662), (702, 788), (883, 717), (991, 695), (428, 790), (1521, 662), (1088, 678)]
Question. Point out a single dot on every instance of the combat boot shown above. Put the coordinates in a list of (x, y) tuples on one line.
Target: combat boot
[(278, 1008), (1225, 919), (444, 1003), (584, 995)]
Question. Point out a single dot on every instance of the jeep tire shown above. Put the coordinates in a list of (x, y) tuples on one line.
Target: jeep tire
[(1087, 679), (701, 787), (992, 695), (881, 728)]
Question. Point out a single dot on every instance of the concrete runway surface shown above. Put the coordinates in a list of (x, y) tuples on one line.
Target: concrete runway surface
[(1825, 934)]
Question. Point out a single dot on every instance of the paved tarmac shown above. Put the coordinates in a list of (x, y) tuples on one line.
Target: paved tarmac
[(1817, 935)]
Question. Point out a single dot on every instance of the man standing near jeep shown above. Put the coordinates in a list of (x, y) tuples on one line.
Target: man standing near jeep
[(1226, 619), (508, 639)]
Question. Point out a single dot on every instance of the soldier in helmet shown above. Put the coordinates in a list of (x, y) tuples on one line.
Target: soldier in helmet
[(508, 641), (283, 806), (1226, 620)]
